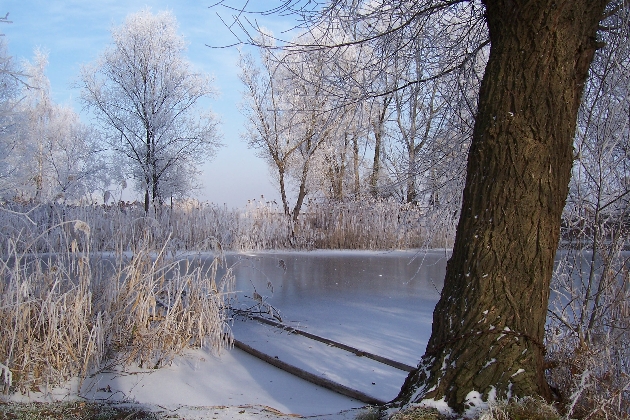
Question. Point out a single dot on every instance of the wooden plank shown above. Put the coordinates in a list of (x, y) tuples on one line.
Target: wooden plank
[(361, 353), (310, 377)]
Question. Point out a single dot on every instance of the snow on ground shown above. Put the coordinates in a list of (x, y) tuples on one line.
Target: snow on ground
[(199, 384), (202, 379)]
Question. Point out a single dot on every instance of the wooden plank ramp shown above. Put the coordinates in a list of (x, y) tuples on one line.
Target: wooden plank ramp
[(357, 352), (319, 377), (308, 376)]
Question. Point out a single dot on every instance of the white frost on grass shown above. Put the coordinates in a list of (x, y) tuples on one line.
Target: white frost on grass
[(475, 404), (81, 226), (440, 405), (7, 376)]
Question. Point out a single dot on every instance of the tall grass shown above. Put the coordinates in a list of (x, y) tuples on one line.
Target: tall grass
[(65, 311), (373, 224)]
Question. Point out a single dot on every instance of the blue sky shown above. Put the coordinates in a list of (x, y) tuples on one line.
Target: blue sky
[(74, 32)]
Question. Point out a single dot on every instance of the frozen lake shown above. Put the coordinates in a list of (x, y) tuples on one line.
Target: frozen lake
[(381, 302)]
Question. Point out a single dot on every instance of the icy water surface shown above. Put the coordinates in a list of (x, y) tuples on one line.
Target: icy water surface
[(380, 302)]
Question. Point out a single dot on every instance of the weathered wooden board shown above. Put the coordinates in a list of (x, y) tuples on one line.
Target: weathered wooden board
[(308, 376), (380, 359)]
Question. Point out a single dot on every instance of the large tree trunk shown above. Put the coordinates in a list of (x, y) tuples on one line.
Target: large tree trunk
[(488, 326)]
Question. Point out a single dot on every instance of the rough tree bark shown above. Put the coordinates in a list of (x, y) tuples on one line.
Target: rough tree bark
[(489, 323)]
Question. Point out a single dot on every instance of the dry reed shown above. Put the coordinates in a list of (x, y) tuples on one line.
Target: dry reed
[(65, 312), (356, 224)]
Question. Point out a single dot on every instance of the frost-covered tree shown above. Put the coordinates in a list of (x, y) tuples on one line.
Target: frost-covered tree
[(289, 120), (427, 119), (267, 127), (146, 98), (54, 156), (9, 95)]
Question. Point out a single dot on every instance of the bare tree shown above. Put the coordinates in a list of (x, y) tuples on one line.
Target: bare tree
[(144, 95), (289, 119), (268, 128)]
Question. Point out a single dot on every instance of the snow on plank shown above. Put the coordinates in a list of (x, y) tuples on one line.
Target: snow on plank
[(377, 381)]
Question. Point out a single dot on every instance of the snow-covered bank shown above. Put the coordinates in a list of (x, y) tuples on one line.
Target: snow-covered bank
[(200, 382)]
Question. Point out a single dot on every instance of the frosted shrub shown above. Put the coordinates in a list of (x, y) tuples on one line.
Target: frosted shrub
[(64, 312), (588, 331)]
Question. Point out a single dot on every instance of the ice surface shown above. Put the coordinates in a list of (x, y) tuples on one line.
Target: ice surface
[(381, 302)]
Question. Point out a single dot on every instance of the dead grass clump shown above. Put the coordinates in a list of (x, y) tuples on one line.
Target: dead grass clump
[(526, 408), (47, 332), (418, 413), (160, 307), (588, 332), (73, 410), (592, 381)]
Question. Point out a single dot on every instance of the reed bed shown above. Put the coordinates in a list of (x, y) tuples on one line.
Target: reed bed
[(356, 224), (69, 311)]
